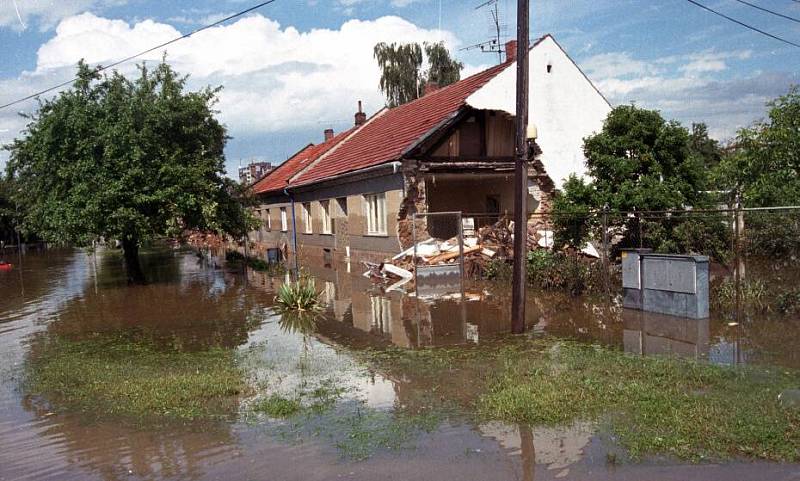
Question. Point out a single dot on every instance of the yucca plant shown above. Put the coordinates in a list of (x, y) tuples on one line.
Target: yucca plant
[(299, 296)]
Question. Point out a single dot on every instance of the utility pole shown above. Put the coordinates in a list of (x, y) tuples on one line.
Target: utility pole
[(521, 172)]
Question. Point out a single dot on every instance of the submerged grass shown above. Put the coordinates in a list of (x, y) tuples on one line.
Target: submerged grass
[(121, 375), (692, 410)]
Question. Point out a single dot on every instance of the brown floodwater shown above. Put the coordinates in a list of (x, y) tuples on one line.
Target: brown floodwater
[(193, 303)]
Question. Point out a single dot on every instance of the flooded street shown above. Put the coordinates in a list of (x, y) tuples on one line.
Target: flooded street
[(366, 431)]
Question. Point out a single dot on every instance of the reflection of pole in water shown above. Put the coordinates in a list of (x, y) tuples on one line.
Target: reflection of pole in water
[(528, 452)]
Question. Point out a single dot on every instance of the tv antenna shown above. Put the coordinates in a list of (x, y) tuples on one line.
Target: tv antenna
[(494, 44)]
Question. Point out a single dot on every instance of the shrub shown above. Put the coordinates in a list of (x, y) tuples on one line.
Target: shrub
[(549, 270), (498, 270), (299, 296), (788, 302)]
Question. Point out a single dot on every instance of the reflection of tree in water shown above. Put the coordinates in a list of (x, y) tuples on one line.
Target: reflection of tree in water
[(116, 452), (192, 308)]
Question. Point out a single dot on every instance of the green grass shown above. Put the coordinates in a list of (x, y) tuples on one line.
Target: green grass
[(277, 406), (692, 410), (120, 375), (654, 405)]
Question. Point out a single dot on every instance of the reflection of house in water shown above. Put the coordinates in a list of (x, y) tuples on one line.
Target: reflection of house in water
[(654, 334), (556, 448)]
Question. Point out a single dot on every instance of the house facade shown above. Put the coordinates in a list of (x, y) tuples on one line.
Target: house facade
[(354, 195)]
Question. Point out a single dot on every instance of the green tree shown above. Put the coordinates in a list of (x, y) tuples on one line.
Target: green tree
[(706, 148), (763, 168), (442, 69), (640, 162), (764, 163), (402, 76), (7, 213), (123, 159)]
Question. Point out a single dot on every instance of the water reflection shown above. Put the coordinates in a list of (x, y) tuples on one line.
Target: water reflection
[(362, 313), (193, 303)]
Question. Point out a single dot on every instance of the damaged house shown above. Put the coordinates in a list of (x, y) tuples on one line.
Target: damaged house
[(354, 195)]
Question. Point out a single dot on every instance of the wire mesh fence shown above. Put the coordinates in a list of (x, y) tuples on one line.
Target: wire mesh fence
[(754, 253)]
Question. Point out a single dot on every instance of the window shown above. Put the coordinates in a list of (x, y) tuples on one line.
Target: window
[(307, 218), (284, 223), (376, 213), (326, 216), (342, 201), (268, 220)]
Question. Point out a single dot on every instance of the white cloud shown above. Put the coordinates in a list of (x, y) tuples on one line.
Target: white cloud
[(275, 78), (689, 87), (46, 12)]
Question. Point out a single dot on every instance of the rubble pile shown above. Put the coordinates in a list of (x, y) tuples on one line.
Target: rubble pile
[(482, 245)]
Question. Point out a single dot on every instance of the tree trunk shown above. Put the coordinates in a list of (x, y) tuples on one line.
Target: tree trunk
[(130, 250)]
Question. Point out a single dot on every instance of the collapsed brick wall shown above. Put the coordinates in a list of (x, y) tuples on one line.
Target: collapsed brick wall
[(415, 201)]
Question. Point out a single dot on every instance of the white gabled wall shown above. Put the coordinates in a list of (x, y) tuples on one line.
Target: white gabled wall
[(564, 106)]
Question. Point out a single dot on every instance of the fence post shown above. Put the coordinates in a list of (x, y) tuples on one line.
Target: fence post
[(639, 226), (737, 258), (606, 274)]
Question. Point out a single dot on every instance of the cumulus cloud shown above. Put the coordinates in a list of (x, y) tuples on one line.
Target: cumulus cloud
[(20, 14), (694, 87), (275, 78)]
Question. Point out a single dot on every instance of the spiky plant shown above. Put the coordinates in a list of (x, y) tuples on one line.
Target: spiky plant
[(299, 296)]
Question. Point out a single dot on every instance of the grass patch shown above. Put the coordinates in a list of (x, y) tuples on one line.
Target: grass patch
[(692, 410), (654, 405), (121, 375), (277, 406)]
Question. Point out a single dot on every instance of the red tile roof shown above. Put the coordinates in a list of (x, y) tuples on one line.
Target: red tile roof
[(278, 179), (388, 134)]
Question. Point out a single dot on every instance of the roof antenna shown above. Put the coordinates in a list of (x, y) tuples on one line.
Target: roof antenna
[(494, 45)]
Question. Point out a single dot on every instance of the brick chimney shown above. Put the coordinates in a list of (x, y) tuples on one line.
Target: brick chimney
[(511, 51), (328, 134), (430, 87), (361, 117)]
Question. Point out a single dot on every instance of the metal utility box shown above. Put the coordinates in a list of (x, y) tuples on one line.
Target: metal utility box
[(632, 277), (668, 284)]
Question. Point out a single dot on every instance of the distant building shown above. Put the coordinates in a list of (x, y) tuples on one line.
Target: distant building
[(254, 172)]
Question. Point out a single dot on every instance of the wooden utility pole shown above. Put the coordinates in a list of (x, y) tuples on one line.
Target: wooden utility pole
[(521, 172)]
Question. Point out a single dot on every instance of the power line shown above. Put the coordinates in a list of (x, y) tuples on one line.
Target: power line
[(778, 14), (762, 32), (101, 68)]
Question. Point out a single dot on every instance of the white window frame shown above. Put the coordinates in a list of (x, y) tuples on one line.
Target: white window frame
[(375, 212), (284, 220), (305, 209), (268, 219), (325, 209)]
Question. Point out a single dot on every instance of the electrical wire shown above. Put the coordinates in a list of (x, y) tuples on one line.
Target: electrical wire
[(762, 32), (778, 14), (100, 68)]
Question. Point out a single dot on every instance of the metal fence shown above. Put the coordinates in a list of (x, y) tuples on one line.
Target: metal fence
[(754, 252)]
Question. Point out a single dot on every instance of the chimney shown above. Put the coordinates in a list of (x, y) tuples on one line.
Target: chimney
[(328, 134), (511, 51), (430, 87), (361, 117)]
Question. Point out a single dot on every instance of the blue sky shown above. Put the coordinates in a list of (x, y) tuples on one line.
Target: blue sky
[(299, 66)]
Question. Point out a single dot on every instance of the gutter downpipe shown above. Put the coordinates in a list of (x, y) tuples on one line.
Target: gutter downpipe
[(294, 234)]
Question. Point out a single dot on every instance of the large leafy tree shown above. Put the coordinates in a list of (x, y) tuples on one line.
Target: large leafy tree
[(764, 163), (125, 159), (762, 167), (7, 212), (640, 162), (403, 77)]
